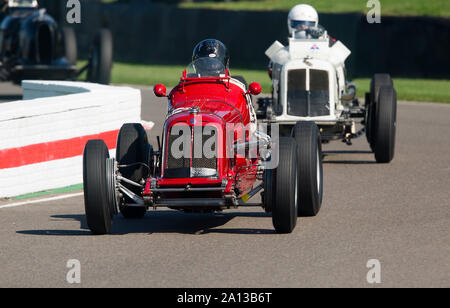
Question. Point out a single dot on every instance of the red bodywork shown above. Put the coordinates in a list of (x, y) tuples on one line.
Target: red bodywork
[(221, 103)]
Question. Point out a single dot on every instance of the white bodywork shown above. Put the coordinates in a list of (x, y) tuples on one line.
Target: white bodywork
[(309, 54)]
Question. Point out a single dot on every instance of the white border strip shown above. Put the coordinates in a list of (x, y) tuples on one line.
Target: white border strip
[(41, 200)]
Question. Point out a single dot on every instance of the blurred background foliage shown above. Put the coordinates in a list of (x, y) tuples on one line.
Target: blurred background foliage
[(389, 7), (154, 38)]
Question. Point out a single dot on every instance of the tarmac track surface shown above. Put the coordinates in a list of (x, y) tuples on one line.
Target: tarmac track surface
[(397, 213)]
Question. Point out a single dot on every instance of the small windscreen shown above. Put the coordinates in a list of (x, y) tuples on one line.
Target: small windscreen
[(206, 67)]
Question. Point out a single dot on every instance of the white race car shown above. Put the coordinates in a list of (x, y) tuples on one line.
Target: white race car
[(308, 84)]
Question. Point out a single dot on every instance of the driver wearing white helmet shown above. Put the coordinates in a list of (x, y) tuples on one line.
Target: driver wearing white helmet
[(303, 23)]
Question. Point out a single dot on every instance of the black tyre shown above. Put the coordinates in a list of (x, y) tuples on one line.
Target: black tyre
[(310, 170), (133, 150), (378, 81), (284, 205), (70, 46), (268, 195), (386, 123), (101, 58), (264, 104), (241, 79), (97, 207)]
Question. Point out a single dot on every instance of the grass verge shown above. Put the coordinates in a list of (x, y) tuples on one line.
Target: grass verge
[(50, 192), (427, 90), (388, 7)]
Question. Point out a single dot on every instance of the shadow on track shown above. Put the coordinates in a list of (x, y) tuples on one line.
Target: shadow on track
[(9, 98), (350, 162), (346, 152), (327, 154), (159, 222)]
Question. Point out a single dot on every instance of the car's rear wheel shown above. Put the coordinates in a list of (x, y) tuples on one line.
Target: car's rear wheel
[(310, 170), (101, 58), (378, 81), (70, 45), (284, 204), (241, 79), (96, 198), (134, 155), (386, 123)]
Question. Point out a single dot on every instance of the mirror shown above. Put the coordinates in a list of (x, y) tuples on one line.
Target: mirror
[(254, 88), (160, 90)]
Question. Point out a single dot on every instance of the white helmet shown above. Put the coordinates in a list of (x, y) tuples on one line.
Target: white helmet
[(302, 16)]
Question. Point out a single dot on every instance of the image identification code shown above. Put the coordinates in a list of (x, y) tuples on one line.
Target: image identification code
[(225, 298)]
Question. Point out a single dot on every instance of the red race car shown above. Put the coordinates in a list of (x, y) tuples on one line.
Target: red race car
[(212, 157)]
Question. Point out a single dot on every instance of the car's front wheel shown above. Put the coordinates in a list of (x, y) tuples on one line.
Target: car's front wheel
[(310, 170), (99, 214), (284, 203)]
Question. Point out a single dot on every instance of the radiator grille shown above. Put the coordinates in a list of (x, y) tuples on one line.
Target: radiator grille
[(319, 93), (177, 162), (205, 152), (198, 160), (308, 103)]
